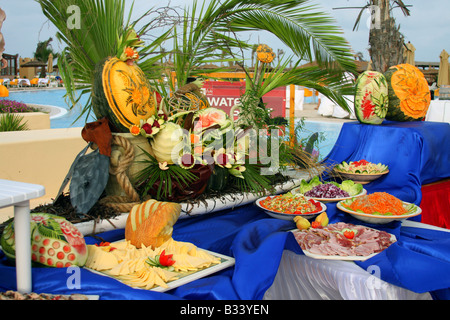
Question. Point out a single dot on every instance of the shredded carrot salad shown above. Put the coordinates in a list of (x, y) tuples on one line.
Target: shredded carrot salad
[(378, 203)]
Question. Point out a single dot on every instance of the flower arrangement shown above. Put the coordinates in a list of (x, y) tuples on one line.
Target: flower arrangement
[(191, 149)]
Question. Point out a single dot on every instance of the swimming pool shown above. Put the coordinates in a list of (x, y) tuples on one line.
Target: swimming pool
[(55, 97)]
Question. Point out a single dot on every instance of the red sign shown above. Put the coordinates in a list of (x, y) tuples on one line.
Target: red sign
[(224, 95)]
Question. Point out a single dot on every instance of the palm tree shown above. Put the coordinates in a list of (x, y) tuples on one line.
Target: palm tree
[(309, 33), (43, 51), (385, 39), (200, 38), (102, 24)]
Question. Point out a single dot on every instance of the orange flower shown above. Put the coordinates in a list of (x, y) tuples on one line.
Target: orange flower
[(131, 53), (135, 130)]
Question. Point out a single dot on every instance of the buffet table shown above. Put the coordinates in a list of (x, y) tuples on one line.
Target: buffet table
[(417, 266), (416, 153), (257, 242)]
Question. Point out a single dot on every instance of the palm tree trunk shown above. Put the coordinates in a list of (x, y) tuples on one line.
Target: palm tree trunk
[(385, 39)]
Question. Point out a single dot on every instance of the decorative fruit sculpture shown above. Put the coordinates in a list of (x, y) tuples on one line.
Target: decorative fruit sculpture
[(122, 93), (409, 95), (371, 97), (55, 242)]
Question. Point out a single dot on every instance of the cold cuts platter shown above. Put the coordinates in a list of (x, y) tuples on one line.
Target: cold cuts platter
[(343, 241)]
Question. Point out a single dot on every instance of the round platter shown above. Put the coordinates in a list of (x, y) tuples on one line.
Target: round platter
[(379, 219), (341, 257), (362, 193), (290, 216), (362, 178)]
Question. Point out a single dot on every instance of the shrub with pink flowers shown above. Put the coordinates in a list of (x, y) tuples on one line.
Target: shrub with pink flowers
[(12, 106)]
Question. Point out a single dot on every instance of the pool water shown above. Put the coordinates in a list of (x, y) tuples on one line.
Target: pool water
[(328, 130), (55, 98), (328, 135)]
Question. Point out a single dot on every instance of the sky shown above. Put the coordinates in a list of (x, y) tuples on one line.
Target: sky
[(426, 28)]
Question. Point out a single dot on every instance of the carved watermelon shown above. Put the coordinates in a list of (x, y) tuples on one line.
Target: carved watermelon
[(122, 93), (371, 97), (55, 242), (409, 94)]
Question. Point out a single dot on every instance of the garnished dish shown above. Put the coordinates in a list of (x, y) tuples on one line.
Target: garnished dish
[(379, 208), (361, 166), (329, 191), (287, 206), (361, 171), (149, 258), (342, 241), (172, 264)]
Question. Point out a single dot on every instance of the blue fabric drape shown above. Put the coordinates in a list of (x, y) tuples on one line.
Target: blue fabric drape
[(419, 261)]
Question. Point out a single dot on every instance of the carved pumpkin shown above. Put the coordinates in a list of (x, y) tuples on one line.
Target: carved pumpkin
[(123, 94), (409, 95)]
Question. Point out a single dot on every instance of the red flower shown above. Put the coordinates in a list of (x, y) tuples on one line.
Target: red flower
[(166, 260), (147, 128)]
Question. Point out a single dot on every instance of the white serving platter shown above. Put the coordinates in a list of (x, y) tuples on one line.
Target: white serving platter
[(185, 277), (342, 258)]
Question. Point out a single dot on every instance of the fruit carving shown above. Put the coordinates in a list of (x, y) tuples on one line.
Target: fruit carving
[(371, 97), (55, 242), (122, 93), (409, 95)]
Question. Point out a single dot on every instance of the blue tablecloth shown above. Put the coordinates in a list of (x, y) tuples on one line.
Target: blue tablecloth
[(419, 260), (416, 153)]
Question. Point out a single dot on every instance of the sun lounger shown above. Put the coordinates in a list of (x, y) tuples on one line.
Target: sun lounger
[(42, 82), (14, 83), (24, 83)]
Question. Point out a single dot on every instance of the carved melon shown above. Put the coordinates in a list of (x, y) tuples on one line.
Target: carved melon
[(122, 94), (409, 95), (55, 242), (371, 97)]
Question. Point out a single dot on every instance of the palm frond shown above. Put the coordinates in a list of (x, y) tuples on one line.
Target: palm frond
[(102, 23), (308, 32)]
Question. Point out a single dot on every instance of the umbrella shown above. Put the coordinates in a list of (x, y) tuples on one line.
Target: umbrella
[(443, 75), (50, 63), (4, 92), (410, 53), (33, 64)]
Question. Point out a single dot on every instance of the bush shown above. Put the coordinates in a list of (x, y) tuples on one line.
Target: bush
[(11, 106), (12, 122)]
